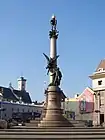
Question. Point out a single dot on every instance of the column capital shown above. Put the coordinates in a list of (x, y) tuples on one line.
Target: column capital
[(53, 34)]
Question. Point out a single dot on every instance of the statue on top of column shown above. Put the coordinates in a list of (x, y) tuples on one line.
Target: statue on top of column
[(53, 32), (53, 22)]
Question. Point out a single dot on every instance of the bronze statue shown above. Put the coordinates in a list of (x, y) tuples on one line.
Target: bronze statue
[(57, 75), (53, 22), (53, 32), (50, 63)]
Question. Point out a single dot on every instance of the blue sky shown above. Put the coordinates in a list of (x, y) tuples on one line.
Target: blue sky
[(24, 27)]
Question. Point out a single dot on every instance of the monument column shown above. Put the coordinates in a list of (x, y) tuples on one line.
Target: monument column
[(54, 114), (53, 50), (53, 34)]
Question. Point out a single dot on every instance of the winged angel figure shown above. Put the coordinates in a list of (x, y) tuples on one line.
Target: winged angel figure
[(51, 63)]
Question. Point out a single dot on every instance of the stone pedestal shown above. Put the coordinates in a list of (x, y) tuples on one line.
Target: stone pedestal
[(54, 114)]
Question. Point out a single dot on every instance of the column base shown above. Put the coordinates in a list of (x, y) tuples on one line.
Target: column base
[(54, 123), (54, 114)]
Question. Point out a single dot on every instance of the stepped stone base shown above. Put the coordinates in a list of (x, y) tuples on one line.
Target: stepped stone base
[(54, 114), (53, 134), (78, 123), (54, 123), (33, 123), (72, 123)]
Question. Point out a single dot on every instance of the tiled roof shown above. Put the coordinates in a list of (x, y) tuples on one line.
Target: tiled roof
[(15, 95), (24, 96)]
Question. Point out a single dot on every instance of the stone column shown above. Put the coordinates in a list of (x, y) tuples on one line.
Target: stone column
[(104, 109), (53, 47), (53, 52), (94, 113), (98, 109), (104, 112)]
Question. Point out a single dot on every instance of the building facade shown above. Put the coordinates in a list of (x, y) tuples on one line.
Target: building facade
[(81, 107), (90, 105), (8, 109), (98, 86), (17, 101)]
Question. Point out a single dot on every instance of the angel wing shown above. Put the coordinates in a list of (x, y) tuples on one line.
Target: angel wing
[(46, 57), (56, 58)]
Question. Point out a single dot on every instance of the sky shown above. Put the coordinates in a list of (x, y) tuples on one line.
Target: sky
[(24, 29)]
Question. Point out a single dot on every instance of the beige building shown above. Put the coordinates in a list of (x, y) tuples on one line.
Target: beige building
[(98, 85), (91, 99)]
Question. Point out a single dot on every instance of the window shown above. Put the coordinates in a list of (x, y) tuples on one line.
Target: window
[(22, 85), (100, 82), (100, 69), (83, 105)]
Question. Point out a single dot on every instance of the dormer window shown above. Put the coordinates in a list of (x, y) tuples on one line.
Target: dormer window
[(100, 82), (100, 69)]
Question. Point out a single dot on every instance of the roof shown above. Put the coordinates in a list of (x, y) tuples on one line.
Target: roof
[(15, 95), (71, 99), (77, 98), (87, 88), (101, 65)]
